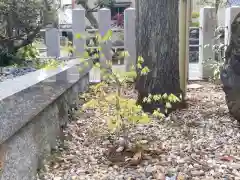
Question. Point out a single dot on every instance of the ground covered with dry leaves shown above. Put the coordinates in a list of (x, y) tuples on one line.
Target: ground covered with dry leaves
[(200, 142)]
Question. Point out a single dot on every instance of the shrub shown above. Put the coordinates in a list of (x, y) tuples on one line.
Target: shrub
[(125, 113), (28, 52), (8, 59)]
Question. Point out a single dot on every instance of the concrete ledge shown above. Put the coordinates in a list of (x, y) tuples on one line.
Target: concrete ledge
[(33, 110)]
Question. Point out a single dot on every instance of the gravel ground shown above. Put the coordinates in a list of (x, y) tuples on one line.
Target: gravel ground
[(12, 72), (197, 143)]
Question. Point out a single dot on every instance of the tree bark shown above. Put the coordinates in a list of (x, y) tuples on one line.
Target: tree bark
[(89, 15), (157, 40)]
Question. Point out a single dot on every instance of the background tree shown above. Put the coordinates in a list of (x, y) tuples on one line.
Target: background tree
[(21, 21), (157, 38), (215, 3), (89, 10), (94, 23)]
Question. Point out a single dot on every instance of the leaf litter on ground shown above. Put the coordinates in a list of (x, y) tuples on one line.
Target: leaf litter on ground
[(201, 142)]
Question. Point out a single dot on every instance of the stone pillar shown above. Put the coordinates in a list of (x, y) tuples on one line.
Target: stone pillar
[(230, 14), (104, 21), (78, 30), (130, 38), (206, 41), (52, 42)]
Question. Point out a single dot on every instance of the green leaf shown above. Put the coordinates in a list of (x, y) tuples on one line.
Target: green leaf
[(85, 64), (145, 99), (166, 111), (145, 71), (90, 104), (158, 114), (157, 97), (81, 60), (113, 124), (140, 59), (144, 119), (165, 96), (139, 66), (86, 54), (173, 98), (124, 54), (78, 36), (168, 105), (149, 100), (107, 36)]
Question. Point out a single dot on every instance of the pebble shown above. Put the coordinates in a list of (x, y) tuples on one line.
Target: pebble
[(107, 142), (12, 72), (194, 86), (181, 161), (150, 169), (197, 166), (159, 176), (57, 178), (171, 178), (120, 149), (197, 173), (234, 165)]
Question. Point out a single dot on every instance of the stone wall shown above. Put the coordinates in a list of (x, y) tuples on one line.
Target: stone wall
[(34, 109)]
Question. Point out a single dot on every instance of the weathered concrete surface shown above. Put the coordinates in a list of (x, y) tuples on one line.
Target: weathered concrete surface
[(32, 119)]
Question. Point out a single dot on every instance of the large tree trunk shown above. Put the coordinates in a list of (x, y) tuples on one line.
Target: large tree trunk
[(157, 40), (230, 73)]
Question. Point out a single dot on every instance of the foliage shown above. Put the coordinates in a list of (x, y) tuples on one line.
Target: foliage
[(22, 20), (218, 50), (195, 14), (28, 52), (97, 2), (47, 64), (104, 3), (7, 59), (215, 3)]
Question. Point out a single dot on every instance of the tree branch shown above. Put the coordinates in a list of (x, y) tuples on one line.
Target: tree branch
[(28, 40)]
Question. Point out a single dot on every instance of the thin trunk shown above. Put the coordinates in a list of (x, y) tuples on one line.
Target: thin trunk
[(9, 32), (157, 34), (217, 4), (89, 15)]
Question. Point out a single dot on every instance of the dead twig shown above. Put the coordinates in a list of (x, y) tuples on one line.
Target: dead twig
[(204, 165)]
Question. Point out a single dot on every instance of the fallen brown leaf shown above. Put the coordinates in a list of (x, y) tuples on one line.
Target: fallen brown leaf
[(136, 160), (227, 158)]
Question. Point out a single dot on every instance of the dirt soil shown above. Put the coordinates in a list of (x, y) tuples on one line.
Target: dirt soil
[(201, 142)]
